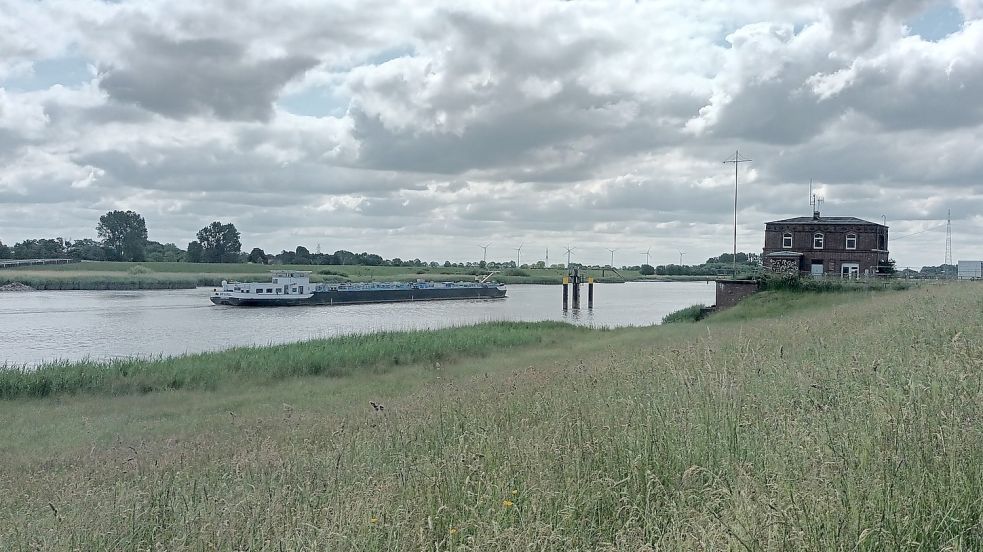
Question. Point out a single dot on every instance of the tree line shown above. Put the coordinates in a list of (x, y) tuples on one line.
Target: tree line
[(123, 236)]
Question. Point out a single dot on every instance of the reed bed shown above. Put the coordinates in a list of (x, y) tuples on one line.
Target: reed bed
[(829, 424), (335, 357)]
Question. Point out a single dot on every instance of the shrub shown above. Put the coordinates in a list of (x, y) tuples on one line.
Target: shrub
[(692, 313), (139, 269)]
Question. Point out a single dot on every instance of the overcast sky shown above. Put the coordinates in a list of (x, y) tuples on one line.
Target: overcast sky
[(419, 129)]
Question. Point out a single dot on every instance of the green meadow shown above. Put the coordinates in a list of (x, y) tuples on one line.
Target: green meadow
[(794, 421), (127, 275)]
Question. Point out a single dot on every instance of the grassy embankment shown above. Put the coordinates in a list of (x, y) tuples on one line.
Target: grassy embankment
[(119, 275), (793, 421)]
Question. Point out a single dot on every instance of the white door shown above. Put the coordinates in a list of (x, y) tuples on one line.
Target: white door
[(817, 270)]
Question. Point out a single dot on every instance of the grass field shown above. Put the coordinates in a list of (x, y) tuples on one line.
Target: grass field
[(837, 421), (119, 275)]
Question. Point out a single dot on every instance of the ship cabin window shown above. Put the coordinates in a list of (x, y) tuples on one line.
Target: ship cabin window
[(817, 240), (880, 242), (269, 290), (851, 241), (301, 288), (787, 240), (259, 290)]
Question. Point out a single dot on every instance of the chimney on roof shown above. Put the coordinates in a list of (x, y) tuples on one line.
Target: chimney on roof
[(815, 215)]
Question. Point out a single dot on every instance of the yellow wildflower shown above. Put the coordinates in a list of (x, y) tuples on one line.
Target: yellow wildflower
[(507, 504), (453, 531), (514, 492), (373, 520)]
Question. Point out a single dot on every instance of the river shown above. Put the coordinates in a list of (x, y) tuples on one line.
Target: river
[(42, 326)]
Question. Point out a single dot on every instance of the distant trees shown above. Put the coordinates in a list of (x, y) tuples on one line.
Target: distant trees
[(4, 251), (39, 249), (257, 256), (124, 234), (194, 253), (723, 264), (220, 243), (86, 249), (163, 252), (646, 270)]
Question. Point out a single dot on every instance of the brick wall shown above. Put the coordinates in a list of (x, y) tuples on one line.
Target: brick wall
[(730, 292)]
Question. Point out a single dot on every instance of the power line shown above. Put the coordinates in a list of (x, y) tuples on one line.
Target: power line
[(930, 228)]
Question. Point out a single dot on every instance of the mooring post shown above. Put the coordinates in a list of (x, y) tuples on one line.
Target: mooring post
[(590, 292), (566, 282), (576, 288)]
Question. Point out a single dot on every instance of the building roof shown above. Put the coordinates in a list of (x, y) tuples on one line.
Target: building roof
[(823, 220)]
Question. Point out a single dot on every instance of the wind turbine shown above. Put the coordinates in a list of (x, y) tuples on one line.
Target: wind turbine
[(681, 253), (612, 256), (518, 252), (647, 252), (569, 251), (484, 251)]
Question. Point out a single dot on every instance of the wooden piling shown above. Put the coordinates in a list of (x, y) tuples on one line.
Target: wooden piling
[(590, 292), (576, 288), (566, 282)]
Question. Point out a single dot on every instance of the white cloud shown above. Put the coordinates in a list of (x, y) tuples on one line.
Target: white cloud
[(548, 123)]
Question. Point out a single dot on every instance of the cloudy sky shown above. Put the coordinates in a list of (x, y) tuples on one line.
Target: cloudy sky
[(417, 129)]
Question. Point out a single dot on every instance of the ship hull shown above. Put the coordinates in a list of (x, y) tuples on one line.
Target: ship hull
[(348, 297)]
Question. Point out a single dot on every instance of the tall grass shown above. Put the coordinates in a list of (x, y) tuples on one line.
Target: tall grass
[(692, 313), (333, 357), (829, 424)]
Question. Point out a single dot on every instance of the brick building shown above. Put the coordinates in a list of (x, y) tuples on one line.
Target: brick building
[(817, 245)]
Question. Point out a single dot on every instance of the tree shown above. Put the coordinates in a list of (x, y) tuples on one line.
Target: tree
[(302, 255), (163, 252), (4, 251), (646, 270), (86, 249), (124, 233), (220, 243), (257, 256), (195, 253), (39, 249)]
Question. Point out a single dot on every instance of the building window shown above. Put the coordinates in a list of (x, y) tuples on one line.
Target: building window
[(787, 240), (880, 242), (817, 240), (851, 241)]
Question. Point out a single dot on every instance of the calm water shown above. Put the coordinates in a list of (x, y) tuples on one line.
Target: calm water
[(48, 325)]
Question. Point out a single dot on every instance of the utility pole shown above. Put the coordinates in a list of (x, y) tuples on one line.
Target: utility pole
[(948, 240), (736, 160), (612, 256), (547, 261)]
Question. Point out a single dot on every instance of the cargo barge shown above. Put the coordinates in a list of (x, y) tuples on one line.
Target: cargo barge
[(294, 288)]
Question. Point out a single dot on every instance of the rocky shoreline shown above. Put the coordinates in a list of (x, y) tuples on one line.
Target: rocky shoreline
[(16, 286)]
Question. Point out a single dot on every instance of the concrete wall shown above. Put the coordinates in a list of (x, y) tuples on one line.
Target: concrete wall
[(730, 292)]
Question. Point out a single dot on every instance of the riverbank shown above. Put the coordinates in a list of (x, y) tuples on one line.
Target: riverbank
[(818, 421), (131, 276)]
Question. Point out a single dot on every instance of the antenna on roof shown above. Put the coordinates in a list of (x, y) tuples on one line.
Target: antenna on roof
[(815, 201)]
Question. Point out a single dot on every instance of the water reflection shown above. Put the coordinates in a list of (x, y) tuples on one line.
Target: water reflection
[(98, 324)]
